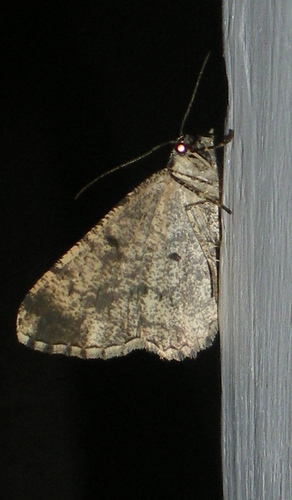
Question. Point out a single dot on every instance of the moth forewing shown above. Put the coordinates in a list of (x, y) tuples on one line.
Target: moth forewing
[(144, 277)]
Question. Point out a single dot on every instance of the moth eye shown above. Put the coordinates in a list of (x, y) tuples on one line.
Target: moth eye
[(181, 148)]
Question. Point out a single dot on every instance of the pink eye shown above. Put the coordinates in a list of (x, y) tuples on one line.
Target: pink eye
[(181, 148)]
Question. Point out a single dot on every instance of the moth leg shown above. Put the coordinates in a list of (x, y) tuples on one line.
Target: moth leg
[(198, 192), (226, 139), (203, 216)]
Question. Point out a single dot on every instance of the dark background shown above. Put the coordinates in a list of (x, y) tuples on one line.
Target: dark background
[(89, 85)]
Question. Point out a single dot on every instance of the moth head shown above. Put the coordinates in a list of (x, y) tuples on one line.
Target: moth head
[(184, 144)]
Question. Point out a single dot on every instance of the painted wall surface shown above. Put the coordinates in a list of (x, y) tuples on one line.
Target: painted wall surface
[(256, 268)]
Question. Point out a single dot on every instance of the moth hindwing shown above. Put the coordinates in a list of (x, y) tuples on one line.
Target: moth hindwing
[(145, 277)]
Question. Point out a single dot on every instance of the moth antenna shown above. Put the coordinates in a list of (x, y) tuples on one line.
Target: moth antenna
[(108, 172), (194, 93), (138, 158)]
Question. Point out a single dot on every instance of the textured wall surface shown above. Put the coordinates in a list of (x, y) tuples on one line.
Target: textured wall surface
[(256, 271)]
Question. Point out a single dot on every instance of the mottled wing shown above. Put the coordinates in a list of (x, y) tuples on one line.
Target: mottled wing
[(138, 280)]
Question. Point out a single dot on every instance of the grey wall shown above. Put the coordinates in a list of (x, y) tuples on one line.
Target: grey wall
[(256, 270)]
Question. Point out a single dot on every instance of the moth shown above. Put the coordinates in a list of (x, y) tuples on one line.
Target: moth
[(145, 276)]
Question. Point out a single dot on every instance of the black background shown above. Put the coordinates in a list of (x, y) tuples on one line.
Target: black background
[(89, 85)]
